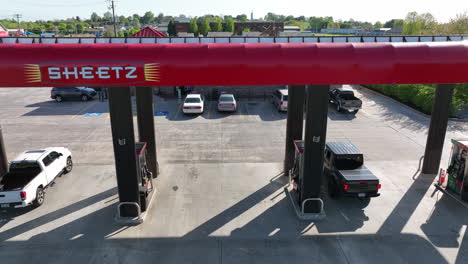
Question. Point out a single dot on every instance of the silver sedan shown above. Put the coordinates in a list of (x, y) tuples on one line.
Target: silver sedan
[(227, 102)]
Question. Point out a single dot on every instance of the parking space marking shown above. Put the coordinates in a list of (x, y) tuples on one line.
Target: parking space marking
[(83, 110), (209, 110)]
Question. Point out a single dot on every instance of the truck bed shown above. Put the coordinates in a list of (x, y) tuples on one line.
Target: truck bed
[(361, 174), (17, 179)]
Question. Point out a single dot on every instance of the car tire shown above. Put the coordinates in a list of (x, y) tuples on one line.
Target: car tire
[(58, 98), (84, 98), (40, 195), (338, 107), (355, 111), (69, 166)]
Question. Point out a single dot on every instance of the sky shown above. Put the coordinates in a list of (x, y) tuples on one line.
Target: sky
[(362, 10)]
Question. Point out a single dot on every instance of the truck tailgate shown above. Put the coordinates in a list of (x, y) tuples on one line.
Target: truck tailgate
[(10, 197), (352, 103)]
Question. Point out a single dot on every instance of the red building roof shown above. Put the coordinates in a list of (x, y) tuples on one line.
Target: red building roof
[(148, 32)]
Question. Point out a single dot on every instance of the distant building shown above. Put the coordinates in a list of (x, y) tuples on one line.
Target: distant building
[(251, 34), (343, 31), (185, 35), (265, 28), (148, 32), (291, 29), (3, 31), (163, 28), (219, 34)]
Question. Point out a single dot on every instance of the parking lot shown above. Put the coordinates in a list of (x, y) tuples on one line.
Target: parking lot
[(220, 195)]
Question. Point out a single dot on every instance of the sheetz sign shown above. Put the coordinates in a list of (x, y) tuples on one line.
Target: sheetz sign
[(91, 72)]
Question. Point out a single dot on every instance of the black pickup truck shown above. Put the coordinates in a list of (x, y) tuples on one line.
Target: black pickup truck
[(346, 173)]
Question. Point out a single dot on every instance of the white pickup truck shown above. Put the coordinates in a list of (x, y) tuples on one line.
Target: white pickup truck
[(30, 174)]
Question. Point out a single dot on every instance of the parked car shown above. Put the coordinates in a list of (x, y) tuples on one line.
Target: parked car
[(62, 93), (227, 102), (194, 104), (30, 174), (346, 173), (344, 99), (280, 99)]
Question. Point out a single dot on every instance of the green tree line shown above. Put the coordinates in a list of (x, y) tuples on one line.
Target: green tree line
[(413, 24)]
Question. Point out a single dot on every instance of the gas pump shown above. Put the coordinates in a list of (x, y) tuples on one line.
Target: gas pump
[(145, 177), (295, 173), (458, 169)]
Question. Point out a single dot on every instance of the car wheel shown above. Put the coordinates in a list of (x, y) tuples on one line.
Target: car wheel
[(84, 98), (40, 195), (69, 165), (338, 108), (58, 98)]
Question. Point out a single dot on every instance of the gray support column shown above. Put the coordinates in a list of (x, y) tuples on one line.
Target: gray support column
[(437, 128), (3, 156), (314, 145), (123, 139), (294, 123), (145, 115)]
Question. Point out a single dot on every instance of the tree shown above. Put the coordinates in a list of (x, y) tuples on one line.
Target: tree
[(242, 18), (147, 18), (107, 16), (247, 29), (193, 28), (204, 27), (171, 29), (378, 25), (333, 25), (95, 17), (413, 24), (78, 19), (133, 31), (80, 28), (124, 21), (49, 26), (71, 29), (62, 28), (159, 18), (218, 26), (229, 24), (458, 25)]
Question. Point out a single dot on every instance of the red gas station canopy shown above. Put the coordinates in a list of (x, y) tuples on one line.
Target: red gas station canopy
[(34, 65)]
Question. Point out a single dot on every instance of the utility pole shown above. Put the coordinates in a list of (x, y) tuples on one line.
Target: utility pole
[(112, 6), (18, 16)]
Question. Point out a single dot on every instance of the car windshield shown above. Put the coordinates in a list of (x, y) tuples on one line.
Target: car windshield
[(226, 99), (192, 100), (348, 162)]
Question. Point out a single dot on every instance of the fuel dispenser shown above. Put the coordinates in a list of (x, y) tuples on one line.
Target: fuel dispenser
[(145, 177), (295, 173), (296, 180), (457, 172)]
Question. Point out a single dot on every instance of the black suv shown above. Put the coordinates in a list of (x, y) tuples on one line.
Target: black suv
[(82, 93)]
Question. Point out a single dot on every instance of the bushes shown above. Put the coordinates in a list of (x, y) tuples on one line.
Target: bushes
[(421, 96), (416, 95)]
